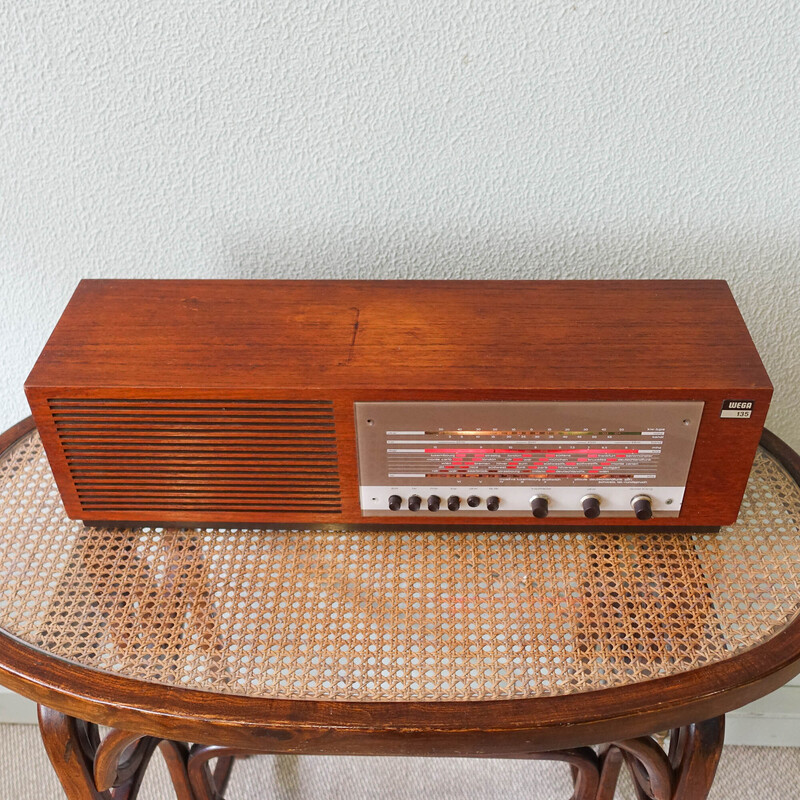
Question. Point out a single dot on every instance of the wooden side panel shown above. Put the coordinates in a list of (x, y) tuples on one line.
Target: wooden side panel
[(37, 399), (723, 457)]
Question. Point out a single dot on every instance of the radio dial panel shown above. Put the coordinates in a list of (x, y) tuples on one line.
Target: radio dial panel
[(525, 459)]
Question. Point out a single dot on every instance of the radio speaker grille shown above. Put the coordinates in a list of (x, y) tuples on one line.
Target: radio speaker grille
[(202, 456)]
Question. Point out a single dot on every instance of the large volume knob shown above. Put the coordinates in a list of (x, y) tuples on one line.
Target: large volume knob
[(433, 503), (453, 502), (642, 506), (591, 506), (414, 502), (395, 501), (492, 503), (539, 506)]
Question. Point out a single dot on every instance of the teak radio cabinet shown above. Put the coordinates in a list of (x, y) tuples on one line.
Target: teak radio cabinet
[(232, 402)]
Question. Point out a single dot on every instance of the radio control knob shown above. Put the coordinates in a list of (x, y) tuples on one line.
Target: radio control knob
[(642, 506), (591, 506), (414, 502), (453, 502), (492, 503), (473, 501), (395, 501), (539, 506), (433, 503)]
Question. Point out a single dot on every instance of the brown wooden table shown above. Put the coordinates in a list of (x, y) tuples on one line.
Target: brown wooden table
[(211, 643)]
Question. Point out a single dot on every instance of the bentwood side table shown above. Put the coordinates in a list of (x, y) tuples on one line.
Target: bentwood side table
[(212, 643)]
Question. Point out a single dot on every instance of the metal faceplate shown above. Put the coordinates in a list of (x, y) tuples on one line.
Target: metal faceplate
[(514, 451)]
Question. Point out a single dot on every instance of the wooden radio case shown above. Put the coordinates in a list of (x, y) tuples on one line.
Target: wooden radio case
[(456, 403)]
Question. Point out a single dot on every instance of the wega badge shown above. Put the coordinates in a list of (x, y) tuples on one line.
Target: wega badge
[(736, 409)]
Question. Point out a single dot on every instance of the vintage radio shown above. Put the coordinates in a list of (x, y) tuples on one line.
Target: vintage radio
[(457, 403)]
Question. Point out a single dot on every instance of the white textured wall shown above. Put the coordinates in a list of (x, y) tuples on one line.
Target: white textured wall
[(351, 138)]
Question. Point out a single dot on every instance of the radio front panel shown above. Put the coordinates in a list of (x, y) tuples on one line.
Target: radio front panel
[(523, 459)]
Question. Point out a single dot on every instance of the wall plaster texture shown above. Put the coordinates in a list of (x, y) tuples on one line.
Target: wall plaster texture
[(548, 139)]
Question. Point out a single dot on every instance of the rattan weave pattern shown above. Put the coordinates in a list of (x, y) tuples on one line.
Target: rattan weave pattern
[(416, 615)]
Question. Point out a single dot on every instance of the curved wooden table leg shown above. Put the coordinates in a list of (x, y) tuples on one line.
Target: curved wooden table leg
[(71, 753), (208, 785), (176, 755), (700, 746), (685, 773), (131, 773), (91, 768), (611, 759), (649, 766)]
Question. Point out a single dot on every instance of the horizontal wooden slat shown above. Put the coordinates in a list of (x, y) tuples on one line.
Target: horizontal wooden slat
[(146, 467), (250, 405), (198, 494), (185, 451), (177, 438), (171, 444), (269, 457), (233, 507), (145, 428), (215, 414), (145, 481), (206, 457), (198, 466)]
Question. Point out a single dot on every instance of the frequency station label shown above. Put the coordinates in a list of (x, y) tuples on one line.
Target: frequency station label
[(521, 456)]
